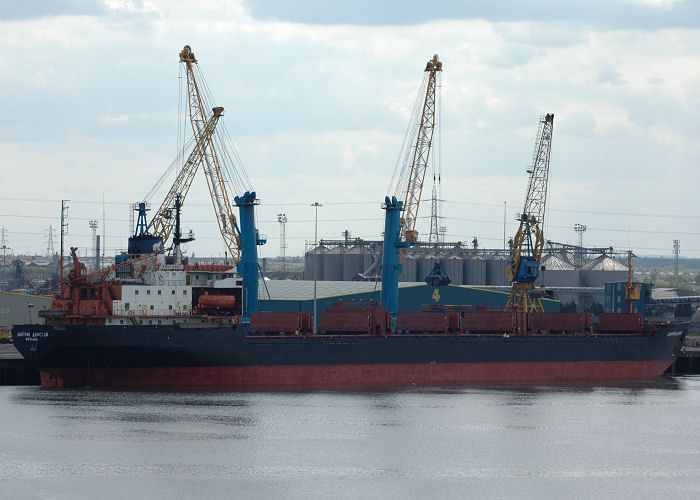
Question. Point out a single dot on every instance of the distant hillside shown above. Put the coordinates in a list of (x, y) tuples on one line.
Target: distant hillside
[(660, 262)]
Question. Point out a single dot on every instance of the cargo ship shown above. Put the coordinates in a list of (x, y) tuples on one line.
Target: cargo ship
[(147, 324)]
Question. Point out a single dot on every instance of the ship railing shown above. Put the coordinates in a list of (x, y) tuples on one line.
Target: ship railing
[(165, 282), (121, 311)]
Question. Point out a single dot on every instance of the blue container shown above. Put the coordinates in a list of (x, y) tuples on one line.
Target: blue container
[(615, 301)]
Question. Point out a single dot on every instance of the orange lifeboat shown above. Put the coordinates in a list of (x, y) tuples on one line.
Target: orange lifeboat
[(207, 301)]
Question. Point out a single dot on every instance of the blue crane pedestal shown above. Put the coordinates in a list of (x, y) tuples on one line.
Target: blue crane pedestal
[(391, 267), (248, 265)]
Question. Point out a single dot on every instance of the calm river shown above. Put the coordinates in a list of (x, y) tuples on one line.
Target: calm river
[(628, 441)]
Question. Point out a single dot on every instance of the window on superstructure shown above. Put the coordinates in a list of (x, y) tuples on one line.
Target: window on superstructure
[(151, 307), (172, 293), (148, 292), (184, 292), (121, 321), (170, 306), (136, 292), (159, 292)]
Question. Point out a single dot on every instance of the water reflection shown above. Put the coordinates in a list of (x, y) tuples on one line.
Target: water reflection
[(599, 440)]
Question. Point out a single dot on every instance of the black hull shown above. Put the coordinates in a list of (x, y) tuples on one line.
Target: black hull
[(234, 359)]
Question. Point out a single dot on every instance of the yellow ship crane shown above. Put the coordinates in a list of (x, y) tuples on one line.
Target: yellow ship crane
[(207, 152), (414, 160), (163, 221), (526, 254)]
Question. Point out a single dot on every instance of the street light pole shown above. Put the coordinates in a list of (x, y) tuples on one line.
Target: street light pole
[(315, 205), (505, 205)]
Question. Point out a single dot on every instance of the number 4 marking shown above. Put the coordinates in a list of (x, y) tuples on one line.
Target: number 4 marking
[(436, 295)]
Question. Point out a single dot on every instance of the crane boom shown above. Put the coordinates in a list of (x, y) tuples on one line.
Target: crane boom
[(163, 222), (210, 159), (421, 154), (526, 254)]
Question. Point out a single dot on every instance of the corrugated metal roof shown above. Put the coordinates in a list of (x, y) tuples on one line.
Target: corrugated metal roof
[(359, 250), (604, 263), (304, 290), (556, 263)]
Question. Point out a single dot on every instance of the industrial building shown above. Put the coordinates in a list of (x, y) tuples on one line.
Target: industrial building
[(18, 308), (297, 296), (573, 273), (359, 260)]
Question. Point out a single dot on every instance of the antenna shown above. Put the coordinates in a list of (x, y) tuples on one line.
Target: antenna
[(64, 230), (4, 247), (104, 232)]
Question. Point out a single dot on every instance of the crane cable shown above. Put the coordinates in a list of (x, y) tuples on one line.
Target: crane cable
[(231, 163), (402, 167)]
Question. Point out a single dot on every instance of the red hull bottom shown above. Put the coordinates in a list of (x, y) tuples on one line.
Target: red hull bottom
[(327, 376)]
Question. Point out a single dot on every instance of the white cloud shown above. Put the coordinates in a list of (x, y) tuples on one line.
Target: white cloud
[(657, 4), (318, 113)]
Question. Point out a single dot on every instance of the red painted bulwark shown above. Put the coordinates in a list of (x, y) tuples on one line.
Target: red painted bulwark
[(322, 376)]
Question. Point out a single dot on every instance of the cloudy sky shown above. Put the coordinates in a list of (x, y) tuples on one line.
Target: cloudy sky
[(318, 95)]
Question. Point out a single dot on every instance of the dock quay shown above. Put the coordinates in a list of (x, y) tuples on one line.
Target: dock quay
[(689, 359), (14, 369)]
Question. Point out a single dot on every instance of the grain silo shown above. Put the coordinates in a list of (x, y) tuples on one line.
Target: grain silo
[(475, 271), (311, 259), (496, 272), (601, 270), (454, 268), (425, 265), (555, 271), (409, 269), (354, 262), (333, 264)]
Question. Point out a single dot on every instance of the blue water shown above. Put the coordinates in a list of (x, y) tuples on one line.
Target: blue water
[(630, 441)]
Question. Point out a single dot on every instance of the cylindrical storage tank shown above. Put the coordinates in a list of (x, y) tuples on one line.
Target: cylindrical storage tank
[(454, 267), (353, 263), (496, 272), (409, 269), (367, 262), (311, 261), (560, 278), (475, 271), (425, 265), (333, 264)]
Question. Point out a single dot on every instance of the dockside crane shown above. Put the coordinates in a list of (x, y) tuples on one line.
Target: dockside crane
[(242, 242), (209, 156), (415, 159), (526, 254), (214, 151), (163, 222), (409, 174)]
